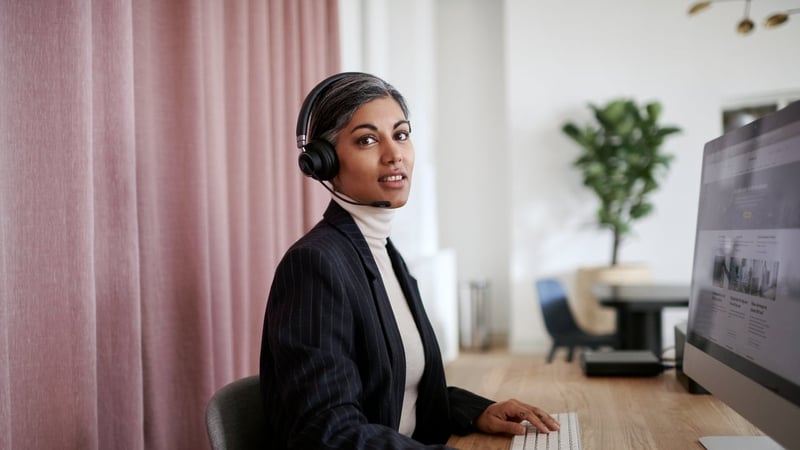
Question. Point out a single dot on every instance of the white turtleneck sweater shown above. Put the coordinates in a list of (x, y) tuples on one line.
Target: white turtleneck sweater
[(376, 224)]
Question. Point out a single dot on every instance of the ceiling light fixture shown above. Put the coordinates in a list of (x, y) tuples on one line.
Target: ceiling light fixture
[(779, 18), (746, 25)]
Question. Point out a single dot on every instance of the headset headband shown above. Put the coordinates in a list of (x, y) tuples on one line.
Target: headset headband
[(304, 116)]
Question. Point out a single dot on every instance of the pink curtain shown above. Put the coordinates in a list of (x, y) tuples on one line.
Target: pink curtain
[(148, 187)]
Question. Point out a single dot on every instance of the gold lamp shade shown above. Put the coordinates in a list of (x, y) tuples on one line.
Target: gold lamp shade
[(745, 26), (779, 18), (699, 6), (776, 19)]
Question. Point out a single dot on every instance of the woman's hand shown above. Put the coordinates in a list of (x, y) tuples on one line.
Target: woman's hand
[(505, 417)]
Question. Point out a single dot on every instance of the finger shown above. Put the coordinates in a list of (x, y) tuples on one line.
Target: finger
[(499, 418), (498, 425), (541, 420), (550, 422)]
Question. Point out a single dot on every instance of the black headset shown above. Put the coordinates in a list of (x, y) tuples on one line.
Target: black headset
[(318, 157)]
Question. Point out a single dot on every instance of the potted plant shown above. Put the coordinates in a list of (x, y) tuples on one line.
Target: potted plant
[(622, 162)]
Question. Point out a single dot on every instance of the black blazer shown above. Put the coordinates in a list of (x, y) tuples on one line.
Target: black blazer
[(332, 361)]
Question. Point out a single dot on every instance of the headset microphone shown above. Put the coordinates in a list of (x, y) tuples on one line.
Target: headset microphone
[(382, 204)]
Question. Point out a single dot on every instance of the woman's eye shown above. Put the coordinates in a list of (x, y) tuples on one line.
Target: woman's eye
[(366, 140), (401, 135)]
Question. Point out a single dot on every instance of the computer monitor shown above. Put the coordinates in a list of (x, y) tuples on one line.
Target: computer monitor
[(743, 335)]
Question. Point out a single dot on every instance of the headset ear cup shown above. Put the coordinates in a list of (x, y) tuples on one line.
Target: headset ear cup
[(318, 160)]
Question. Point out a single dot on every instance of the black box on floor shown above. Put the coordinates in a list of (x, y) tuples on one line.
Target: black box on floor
[(688, 383), (625, 363)]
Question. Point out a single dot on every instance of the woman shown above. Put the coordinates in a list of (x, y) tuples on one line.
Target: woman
[(348, 356)]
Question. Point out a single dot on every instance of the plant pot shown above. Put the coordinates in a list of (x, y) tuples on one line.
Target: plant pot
[(589, 313)]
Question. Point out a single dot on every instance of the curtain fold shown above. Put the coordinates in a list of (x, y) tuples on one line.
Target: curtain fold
[(148, 188), (118, 319)]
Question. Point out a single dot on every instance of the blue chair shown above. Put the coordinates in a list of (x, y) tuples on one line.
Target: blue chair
[(561, 325)]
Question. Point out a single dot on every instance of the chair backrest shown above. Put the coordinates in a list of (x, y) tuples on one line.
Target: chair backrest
[(235, 416), (557, 316)]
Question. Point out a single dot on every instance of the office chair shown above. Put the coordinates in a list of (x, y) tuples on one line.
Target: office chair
[(561, 325), (235, 417)]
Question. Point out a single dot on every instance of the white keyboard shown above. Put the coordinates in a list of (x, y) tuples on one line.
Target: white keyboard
[(566, 438)]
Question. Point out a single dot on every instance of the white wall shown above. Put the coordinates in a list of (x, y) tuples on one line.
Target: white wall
[(490, 84), (472, 153)]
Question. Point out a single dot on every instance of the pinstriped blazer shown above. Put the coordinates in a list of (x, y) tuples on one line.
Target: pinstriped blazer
[(332, 360)]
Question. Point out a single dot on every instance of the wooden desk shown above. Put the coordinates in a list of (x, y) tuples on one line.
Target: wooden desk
[(614, 413), (639, 311)]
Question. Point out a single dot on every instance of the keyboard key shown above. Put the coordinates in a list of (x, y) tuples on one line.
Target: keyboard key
[(566, 438)]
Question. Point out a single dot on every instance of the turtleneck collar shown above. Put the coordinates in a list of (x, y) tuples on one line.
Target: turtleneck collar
[(375, 223)]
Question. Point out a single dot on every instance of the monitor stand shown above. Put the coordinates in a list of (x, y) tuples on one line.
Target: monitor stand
[(739, 443)]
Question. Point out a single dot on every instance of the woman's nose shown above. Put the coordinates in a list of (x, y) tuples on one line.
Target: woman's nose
[(393, 153)]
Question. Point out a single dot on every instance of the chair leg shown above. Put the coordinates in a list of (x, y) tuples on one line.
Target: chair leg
[(570, 353), (550, 355)]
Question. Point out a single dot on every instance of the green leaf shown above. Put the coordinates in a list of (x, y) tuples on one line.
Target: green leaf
[(653, 111), (571, 130), (640, 210)]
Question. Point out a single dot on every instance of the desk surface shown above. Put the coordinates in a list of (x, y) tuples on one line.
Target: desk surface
[(614, 413), (664, 294)]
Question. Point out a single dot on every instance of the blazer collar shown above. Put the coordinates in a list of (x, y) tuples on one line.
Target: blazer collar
[(340, 219)]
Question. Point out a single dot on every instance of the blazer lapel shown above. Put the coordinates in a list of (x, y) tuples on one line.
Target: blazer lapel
[(411, 291), (341, 220)]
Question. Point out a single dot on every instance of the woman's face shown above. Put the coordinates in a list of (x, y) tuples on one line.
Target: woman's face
[(376, 156)]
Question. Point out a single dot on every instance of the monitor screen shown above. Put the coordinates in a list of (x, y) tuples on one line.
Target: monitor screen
[(743, 337)]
